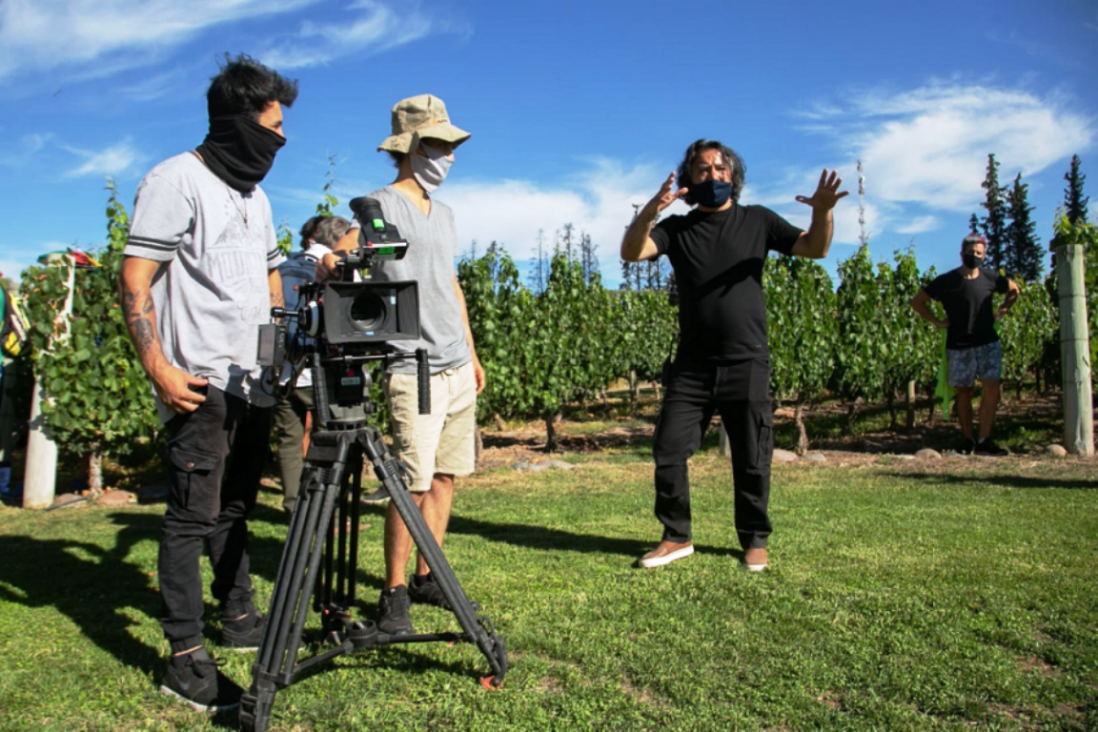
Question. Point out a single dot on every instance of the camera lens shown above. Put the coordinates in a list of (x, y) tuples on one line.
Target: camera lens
[(368, 311)]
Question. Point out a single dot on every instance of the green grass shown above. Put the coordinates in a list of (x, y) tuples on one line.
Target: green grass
[(899, 597)]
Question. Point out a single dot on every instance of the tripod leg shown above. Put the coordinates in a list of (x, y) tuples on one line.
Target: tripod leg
[(297, 574), (390, 471)]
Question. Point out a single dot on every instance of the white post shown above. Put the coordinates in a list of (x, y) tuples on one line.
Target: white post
[(40, 476), (1075, 351)]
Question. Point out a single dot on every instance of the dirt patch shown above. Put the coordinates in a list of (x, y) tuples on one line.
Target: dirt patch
[(1033, 664)]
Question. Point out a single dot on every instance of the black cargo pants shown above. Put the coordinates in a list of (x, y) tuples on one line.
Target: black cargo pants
[(740, 393), (216, 456)]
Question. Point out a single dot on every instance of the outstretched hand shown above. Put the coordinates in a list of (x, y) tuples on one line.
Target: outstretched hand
[(666, 195), (827, 192)]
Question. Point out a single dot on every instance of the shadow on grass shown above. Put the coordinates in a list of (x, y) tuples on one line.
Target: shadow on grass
[(1011, 481), (88, 584), (540, 537)]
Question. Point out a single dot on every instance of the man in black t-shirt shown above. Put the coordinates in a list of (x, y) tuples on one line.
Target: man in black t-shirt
[(717, 252), (972, 343)]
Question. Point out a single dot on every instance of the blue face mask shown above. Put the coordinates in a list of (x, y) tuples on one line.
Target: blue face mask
[(711, 193)]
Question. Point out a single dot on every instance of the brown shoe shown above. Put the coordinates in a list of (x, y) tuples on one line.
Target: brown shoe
[(755, 559), (665, 553)]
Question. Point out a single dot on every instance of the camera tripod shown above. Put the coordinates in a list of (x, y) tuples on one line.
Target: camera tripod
[(331, 488)]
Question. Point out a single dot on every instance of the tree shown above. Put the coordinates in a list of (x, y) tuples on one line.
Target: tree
[(539, 271), (973, 224), (1022, 253), (912, 360), (100, 401), (1075, 203), (589, 260), (994, 223), (1026, 333), (860, 354), (802, 332)]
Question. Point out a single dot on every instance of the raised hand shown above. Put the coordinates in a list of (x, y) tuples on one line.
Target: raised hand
[(666, 195), (827, 192)]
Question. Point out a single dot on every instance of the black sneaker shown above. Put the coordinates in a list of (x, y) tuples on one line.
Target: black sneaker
[(967, 446), (988, 447), (426, 591), (244, 634), (196, 680), (392, 612)]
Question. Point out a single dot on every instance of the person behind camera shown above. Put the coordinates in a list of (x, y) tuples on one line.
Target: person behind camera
[(439, 446), (293, 415), (199, 277), (717, 252)]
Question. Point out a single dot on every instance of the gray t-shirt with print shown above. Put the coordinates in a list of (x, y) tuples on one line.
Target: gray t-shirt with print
[(212, 297), (432, 246)]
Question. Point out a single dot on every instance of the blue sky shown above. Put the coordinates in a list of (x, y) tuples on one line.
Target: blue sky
[(578, 109)]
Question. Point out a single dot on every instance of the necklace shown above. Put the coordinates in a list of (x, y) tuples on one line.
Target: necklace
[(242, 211)]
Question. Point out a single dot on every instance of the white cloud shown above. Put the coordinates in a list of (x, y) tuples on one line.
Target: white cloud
[(372, 27), (930, 145), (114, 160), (29, 146), (598, 202), (39, 35), (916, 225)]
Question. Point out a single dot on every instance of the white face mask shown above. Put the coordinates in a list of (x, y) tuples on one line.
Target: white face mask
[(430, 171)]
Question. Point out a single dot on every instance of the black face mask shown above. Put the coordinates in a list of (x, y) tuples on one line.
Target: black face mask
[(711, 193), (971, 260), (239, 150)]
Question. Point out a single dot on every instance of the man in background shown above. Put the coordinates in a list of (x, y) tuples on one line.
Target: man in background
[(972, 342), (294, 413)]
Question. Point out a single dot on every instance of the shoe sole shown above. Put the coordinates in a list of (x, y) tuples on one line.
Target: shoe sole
[(207, 708), (753, 567), (666, 558)]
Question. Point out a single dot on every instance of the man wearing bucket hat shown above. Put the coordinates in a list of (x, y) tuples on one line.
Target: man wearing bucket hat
[(439, 446)]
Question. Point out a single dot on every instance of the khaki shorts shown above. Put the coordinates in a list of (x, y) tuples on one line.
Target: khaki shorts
[(439, 442)]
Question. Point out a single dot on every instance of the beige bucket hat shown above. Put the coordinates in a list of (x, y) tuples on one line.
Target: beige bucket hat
[(418, 117)]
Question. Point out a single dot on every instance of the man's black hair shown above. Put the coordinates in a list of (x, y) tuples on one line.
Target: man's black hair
[(308, 230), (730, 157), (245, 86), (396, 157), (972, 240)]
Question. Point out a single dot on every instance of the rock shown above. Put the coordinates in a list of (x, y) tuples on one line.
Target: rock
[(558, 464), (927, 454), (116, 498), (1056, 450), (816, 457), (524, 465), (784, 456), (153, 494)]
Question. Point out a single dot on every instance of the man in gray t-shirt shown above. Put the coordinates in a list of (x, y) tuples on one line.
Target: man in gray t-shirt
[(439, 446), (199, 276)]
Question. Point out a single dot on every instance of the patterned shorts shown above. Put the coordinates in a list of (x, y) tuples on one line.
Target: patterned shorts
[(966, 364)]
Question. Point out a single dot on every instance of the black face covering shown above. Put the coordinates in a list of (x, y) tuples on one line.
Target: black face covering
[(971, 260), (239, 150)]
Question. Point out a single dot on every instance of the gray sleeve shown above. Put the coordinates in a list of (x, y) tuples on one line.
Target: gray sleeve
[(274, 254), (162, 217)]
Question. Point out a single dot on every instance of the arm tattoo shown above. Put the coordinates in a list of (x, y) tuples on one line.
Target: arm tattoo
[(138, 310)]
